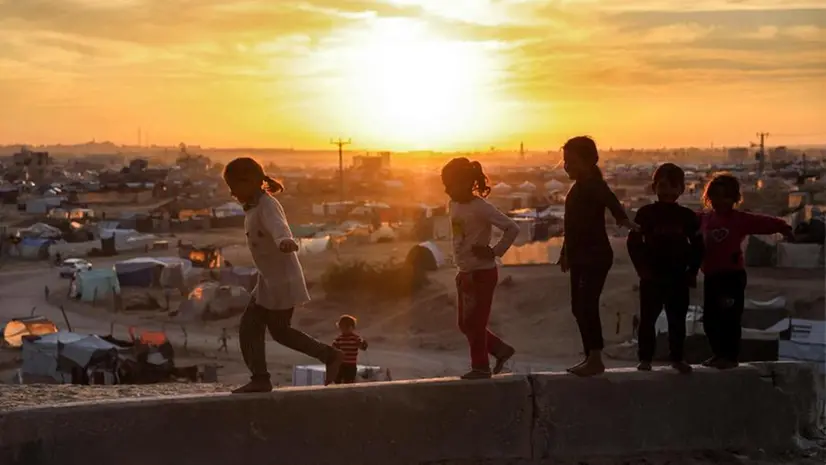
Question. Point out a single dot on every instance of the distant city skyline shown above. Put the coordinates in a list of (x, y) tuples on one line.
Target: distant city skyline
[(413, 74)]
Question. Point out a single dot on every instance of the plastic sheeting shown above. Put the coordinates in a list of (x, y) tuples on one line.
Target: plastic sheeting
[(14, 330), (96, 285)]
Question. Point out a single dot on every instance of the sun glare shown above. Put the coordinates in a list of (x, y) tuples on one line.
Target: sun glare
[(416, 89)]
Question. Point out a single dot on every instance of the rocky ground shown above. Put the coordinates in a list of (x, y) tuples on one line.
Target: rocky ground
[(14, 397)]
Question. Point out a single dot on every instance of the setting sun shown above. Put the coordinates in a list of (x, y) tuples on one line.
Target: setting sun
[(416, 88)]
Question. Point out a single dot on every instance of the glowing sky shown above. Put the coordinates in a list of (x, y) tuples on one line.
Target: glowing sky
[(412, 74)]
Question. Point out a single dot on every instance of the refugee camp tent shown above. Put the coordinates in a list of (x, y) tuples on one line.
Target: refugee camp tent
[(59, 357), (245, 277), (95, 285), (40, 230), (425, 256), (213, 301), (314, 245), (501, 188), (553, 185), (229, 209), (15, 329), (32, 248), (527, 186), (384, 234)]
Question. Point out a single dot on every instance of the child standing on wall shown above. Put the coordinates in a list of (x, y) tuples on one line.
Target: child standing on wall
[(472, 219), (280, 287), (349, 343), (586, 250), (724, 228), (666, 253)]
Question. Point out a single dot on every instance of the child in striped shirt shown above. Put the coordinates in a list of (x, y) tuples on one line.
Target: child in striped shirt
[(349, 343)]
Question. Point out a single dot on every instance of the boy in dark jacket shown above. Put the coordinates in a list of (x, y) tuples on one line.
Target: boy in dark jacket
[(667, 253)]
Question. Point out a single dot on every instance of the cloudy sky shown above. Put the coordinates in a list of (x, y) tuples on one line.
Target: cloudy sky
[(413, 74)]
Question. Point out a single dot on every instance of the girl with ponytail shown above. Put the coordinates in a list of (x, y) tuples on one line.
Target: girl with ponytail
[(472, 219), (281, 286)]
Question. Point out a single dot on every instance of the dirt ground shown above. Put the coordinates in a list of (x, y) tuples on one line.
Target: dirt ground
[(414, 337)]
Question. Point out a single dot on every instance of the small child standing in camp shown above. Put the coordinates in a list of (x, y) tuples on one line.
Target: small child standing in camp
[(586, 250), (281, 286), (472, 219), (349, 343), (724, 228), (666, 253)]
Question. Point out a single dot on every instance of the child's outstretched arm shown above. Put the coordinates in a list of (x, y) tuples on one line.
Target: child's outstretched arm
[(763, 224), (509, 227), (604, 195), (274, 221)]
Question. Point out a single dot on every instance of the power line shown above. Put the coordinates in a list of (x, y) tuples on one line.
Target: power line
[(341, 143)]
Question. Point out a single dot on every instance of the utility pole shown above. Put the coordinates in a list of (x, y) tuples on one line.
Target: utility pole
[(341, 143), (761, 155)]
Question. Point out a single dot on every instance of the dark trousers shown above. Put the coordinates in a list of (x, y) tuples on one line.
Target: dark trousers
[(723, 302), (251, 338), (673, 295), (473, 309), (347, 373), (587, 282)]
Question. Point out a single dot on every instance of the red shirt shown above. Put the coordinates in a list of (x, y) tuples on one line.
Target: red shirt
[(723, 235), (350, 345)]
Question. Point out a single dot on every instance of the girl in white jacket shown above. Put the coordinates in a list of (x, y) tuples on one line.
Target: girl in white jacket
[(281, 286)]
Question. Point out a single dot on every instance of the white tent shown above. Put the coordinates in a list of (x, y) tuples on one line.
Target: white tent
[(527, 186), (212, 301), (229, 209), (426, 256), (554, 185), (384, 234), (501, 188)]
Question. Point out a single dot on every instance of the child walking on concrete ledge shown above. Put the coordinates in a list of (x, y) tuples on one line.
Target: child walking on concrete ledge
[(281, 286), (472, 219), (666, 253), (586, 251)]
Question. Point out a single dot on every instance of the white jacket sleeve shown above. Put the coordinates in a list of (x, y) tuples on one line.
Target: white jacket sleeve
[(498, 219), (274, 220)]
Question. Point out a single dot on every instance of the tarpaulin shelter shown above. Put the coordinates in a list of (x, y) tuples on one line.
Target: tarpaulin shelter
[(213, 301), (95, 285), (15, 329), (245, 277), (65, 357), (425, 256), (33, 248)]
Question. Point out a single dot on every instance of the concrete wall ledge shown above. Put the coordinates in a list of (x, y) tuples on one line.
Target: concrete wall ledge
[(510, 419)]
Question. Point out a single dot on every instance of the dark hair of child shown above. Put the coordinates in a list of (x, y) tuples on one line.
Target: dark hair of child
[(585, 149), (724, 185), (462, 170), (347, 321), (670, 173), (246, 168)]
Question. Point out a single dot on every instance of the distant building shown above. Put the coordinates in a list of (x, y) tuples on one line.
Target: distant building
[(371, 167), (138, 165), (780, 154), (35, 166), (737, 155)]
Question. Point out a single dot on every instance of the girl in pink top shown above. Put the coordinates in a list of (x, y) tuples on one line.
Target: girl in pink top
[(724, 228)]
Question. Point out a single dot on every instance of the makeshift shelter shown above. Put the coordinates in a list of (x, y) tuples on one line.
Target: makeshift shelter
[(553, 186), (384, 234), (65, 357), (804, 340), (212, 301), (501, 188), (95, 285), (32, 248), (228, 209), (202, 257), (425, 256), (41, 231), (310, 246), (152, 272), (245, 277), (527, 186), (15, 329)]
